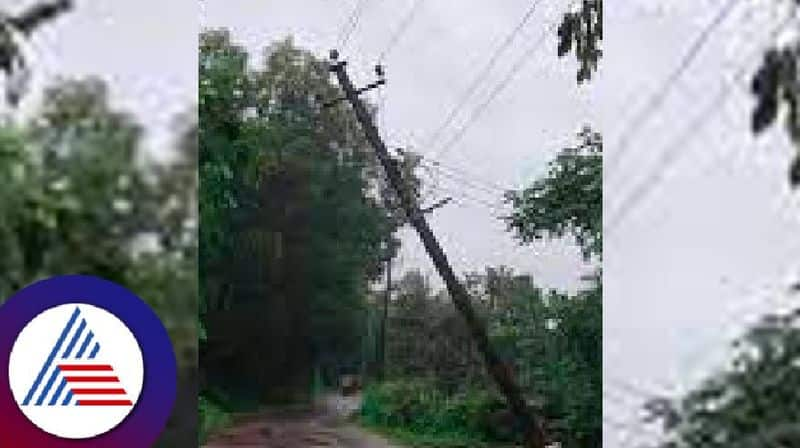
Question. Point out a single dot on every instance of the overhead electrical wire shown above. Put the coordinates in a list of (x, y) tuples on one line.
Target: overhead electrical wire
[(350, 25), (463, 197), (478, 111), (401, 29), (480, 78), (680, 144), (656, 101), (466, 181), (466, 174), (626, 429)]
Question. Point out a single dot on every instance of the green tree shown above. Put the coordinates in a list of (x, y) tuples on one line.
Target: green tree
[(292, 230), (80, 196), (582, 31), (557, 339), (568, 201), (752, 403)]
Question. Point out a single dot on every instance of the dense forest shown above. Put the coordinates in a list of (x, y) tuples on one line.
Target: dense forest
[(298, 224), (82, 195)]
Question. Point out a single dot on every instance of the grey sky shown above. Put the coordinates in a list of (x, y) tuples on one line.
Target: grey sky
[(709, 250), (149, 59), (714, 245), (434, 61)]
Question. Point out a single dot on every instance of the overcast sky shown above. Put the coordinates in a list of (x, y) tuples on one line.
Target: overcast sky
[(427, 71), (145, 49), (714, 244), (709, 248)]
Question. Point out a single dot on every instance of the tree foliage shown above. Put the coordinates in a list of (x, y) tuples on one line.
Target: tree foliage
[(776, 87), (556, 338), (292, 228), (80, 196), (581, 31), (552, 341), (568, 201), (754, 402)]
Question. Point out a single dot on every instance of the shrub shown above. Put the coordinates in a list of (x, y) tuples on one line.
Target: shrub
[(212, 417), (418, 408)]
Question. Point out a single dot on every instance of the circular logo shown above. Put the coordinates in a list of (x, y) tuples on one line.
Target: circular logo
[(89, 365), (76, 371)]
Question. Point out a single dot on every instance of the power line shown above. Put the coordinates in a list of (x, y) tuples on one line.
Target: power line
[(401, 29), (477, 112), (626, 430), (350, 25), (466, 181), (657, 99), (680, 144), (640, 393), (467, 199), (630, 388), (495, 57), (735, 311), (462, 182), (460, 171)]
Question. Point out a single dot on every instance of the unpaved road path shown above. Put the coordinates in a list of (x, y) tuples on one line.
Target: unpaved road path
[(324, 426)]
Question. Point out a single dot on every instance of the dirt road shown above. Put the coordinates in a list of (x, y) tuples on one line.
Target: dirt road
[(324, 426)]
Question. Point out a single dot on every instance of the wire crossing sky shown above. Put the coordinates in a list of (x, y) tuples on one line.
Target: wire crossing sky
[(688, 269), (424, 81)]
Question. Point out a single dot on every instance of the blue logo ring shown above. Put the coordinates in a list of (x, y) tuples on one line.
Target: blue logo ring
[(148, 418)]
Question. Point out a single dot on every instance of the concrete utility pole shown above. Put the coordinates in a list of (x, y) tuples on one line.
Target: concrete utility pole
[(500, 372)]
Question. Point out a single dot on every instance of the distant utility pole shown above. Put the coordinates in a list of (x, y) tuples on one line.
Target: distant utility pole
[(389, 287), (500, 372)]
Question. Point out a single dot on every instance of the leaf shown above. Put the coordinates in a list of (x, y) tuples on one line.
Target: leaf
[(794, 173)]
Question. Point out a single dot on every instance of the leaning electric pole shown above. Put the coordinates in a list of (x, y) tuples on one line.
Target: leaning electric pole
[(499, 371)]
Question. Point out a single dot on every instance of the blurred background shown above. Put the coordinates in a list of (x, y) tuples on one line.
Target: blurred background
[(98, 160)]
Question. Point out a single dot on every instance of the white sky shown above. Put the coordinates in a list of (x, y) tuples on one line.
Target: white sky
[(427, 71), (715, 243), (145, 49), (683, 272)]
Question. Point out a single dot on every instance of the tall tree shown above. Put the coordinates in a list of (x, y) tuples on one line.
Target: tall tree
[(291, 227)]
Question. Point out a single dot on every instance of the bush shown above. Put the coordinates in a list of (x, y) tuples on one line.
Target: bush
[(416, 410), (212, 417)]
